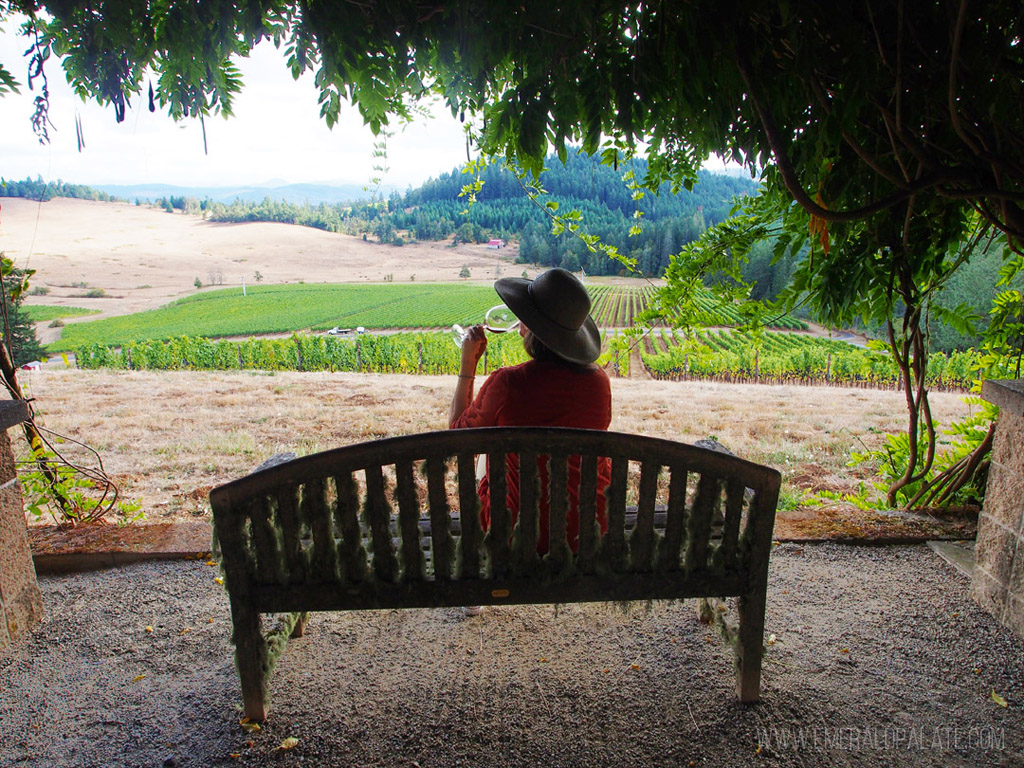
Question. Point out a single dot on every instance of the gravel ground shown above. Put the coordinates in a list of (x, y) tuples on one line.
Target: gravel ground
[(879, 658)]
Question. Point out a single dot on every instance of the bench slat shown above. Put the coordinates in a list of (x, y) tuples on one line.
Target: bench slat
[(511, 591), (725, 554), (641, 541), (378, 515), (524, 540), (590, 530), (699, 523), (323, 557), (442, 544), (266, 541), (559, 558), (470, 534), (675, 520), (409, 520), (498, 537), (613, 555), (351, 552)]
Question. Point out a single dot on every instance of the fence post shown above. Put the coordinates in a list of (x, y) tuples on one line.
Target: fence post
[(485, 361), (419, 352), (828, 368), (359, 356)]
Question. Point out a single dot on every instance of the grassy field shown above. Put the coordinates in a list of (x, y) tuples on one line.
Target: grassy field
[(39, 313), (286, 308)]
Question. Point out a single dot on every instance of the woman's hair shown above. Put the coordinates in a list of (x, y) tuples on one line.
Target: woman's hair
[(541, 352)]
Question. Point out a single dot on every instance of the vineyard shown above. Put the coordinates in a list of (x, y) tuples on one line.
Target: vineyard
[(775, 358), (617, 306), (287, 308), (791, 358), (44, 313), (428, 353)]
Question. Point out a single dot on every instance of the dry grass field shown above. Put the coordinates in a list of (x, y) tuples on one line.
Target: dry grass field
[(143, 257), (167, 438)]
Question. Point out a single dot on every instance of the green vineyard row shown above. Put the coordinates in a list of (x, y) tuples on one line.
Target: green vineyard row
[(721, 355), (429, 353), (285, 308), (792, 358), (616, 307)]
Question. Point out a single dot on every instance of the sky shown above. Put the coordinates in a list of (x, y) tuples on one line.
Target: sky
[(276, 135)]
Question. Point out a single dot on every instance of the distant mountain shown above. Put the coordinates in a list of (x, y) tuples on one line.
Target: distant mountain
[(314, 194)]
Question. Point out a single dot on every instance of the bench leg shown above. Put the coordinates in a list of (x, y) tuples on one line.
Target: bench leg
[(249, 655), (750, 647), (300, 626)]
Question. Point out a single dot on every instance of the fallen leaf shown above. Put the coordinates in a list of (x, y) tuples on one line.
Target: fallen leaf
[(211, 562), (844, 650), (977, 670), (143, 677), (235, 755), (634, 666), (607, 671), (543, 660), (999, 699), (758, 750), (290, 743), (248, 725), (185, 631), (219, 580), (209, 621), (771, 640), (149, 629)]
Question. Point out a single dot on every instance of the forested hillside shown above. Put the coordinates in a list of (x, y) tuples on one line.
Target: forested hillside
[(598, 191), (434, 211), (37, 189)]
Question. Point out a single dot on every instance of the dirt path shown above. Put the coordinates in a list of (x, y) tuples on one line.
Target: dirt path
[(879, 658)]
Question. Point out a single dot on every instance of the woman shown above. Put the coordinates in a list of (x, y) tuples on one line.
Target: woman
[(559, 387)]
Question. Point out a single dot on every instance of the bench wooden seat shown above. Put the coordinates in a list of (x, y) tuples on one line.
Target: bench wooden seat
[(395, 524)]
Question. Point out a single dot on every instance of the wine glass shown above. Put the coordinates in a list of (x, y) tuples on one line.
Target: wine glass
[(498, 319)]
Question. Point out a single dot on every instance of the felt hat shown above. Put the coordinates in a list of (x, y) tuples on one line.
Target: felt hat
[(556, 308)]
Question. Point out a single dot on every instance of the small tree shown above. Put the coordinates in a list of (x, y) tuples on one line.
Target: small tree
[(259, 277), (464, 272), (197, 283), (19, 334)]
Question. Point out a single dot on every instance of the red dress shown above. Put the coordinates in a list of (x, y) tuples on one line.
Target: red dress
[(544, 394)]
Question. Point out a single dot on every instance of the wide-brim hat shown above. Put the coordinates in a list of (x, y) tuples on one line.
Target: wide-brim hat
[(556, 308)]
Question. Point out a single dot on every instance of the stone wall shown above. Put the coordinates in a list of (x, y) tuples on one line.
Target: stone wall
[(21, 606), (998, 583)]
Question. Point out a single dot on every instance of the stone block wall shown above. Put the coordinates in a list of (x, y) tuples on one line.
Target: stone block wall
[(998, 583)]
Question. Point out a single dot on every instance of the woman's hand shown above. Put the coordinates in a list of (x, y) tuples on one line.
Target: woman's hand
[(473, 349)]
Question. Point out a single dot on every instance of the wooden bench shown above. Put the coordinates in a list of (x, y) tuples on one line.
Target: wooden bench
[(321, 533)]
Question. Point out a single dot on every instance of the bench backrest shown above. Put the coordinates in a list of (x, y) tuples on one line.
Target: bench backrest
[(395, 523)]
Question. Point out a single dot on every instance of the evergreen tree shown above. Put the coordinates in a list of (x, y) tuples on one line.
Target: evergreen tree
[(18, 332)]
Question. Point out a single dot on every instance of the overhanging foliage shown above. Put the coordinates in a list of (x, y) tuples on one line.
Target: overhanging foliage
[(859, 106)]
